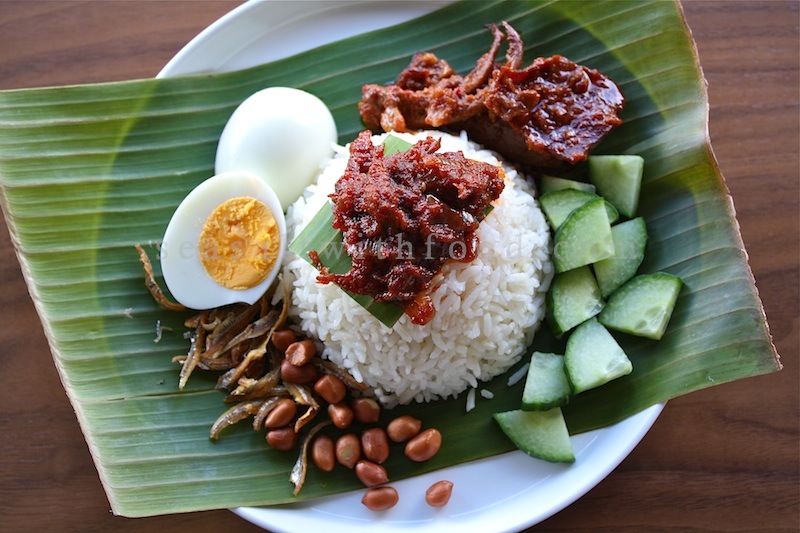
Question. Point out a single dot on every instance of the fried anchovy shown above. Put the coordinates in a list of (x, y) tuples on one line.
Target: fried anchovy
[(266, 324), (326, 367), (235, 374), (152, 285), (307, 417), (301, 394), (262, 326), (189, 364), (220, 364), (252, 389), (194, 321), (298, 474), (264, 410), (238, 412), (233, 323)]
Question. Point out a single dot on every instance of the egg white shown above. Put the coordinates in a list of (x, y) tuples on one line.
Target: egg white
[(181, 267), (280, 134)]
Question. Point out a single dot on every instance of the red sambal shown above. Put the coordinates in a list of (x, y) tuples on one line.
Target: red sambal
[(547, 116), (406, 215)]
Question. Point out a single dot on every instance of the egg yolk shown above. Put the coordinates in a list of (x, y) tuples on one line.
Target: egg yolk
[(239, 243)]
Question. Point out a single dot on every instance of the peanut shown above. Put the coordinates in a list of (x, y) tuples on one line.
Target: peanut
[(299, 375), (371, 474), (282, 338), (380, 499), (439, 493), (424, 446), (282, 439), (341, 415), (282, 414), (375, 445), (348, 450), (323, 454), (366, 410), (330, 388), (403, 428), (301, 352)]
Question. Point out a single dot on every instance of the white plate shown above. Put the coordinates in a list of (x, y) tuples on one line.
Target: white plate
[(505, 493)]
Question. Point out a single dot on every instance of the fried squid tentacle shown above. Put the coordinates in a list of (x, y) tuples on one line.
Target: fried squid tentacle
[(515, 47), (480, 75)]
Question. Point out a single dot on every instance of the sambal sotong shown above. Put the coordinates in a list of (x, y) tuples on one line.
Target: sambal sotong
[(546, 116)]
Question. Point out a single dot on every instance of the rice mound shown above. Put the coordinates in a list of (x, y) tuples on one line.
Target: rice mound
[(487, 311)]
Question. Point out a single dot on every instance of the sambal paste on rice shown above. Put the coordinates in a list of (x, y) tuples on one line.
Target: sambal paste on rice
[(406, 215)]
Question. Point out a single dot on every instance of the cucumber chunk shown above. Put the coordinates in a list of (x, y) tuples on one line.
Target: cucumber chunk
[(630, 239), (546, 385), (618, 179), (558, 205), (593, 357), (540, 434), (643, 306), (584, 238), (554, 183), (573, 298)]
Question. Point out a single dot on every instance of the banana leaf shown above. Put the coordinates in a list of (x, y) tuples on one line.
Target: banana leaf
[(88, 171)]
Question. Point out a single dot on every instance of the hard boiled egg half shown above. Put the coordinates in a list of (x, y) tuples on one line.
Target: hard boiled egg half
[(224, 243), (280, 134)]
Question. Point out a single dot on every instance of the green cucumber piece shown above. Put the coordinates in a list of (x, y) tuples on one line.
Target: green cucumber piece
[(558, 205), (573, 298), (618, 179), (554, 183), (540, 434), (630, 239), (643, 306), (593, 357), (546, 385), (584, 237)]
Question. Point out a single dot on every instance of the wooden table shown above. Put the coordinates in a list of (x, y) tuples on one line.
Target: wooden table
[(723, 458)]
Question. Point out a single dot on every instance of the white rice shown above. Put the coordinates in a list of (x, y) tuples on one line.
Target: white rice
[(486, 311)]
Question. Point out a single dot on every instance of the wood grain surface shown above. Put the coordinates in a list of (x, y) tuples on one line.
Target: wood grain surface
[(723, 459)]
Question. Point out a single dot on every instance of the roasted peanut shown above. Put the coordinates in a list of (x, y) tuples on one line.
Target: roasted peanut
[(341, 415), (282, 414), (301, 352), (282, 439), (371, 474), (330, 388), (403, 428), (375, 445), (282, 338), (323, 454), (439, 493), (366, 410), (348, 450), (299, 375), (380, 499), (424, 446)]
